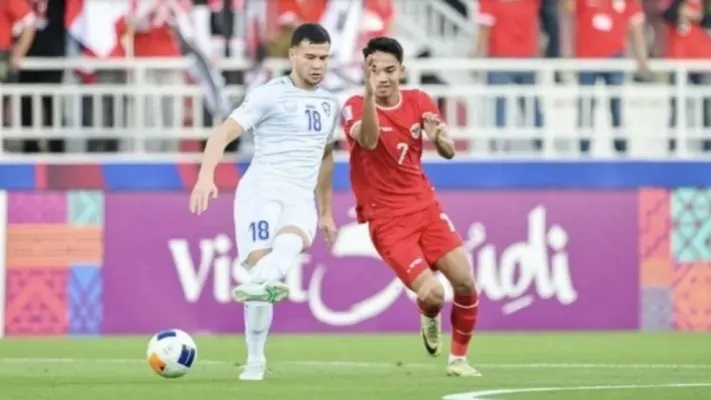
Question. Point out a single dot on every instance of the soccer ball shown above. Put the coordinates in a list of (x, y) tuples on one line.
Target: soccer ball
[(171, 353)]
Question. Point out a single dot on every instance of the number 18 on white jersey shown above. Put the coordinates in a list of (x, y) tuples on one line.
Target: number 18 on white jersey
[(291, 129)]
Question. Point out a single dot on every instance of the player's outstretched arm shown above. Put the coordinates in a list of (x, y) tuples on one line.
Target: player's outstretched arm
[(437, 131), (324, 195), (444, 144), (205, 188), (227, 132), (367, 132)]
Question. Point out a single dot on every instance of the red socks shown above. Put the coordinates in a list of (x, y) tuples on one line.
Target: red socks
[(464, 313)]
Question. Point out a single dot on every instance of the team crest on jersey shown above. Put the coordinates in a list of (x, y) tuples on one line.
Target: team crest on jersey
[(326, 108), (415, 130)]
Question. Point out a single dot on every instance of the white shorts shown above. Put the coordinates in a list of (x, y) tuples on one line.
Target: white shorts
[(259, 215)]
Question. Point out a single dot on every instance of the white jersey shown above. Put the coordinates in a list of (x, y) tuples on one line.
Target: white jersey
[(291, 129)]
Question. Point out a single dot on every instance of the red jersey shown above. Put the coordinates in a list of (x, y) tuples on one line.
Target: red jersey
[(687, 39), (304, 10), (15, 15), (389, 181), (602, 26), (158, 40), (513, 24)]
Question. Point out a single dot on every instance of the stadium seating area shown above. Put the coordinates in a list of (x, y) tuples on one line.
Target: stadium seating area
[(118, 88)]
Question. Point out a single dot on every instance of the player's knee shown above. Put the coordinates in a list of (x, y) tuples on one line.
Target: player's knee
[(432, 294), (464, 286), (296, 231), (436, 296)]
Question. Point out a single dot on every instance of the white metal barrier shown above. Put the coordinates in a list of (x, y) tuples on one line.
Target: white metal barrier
[(435, 25), (491, 118)]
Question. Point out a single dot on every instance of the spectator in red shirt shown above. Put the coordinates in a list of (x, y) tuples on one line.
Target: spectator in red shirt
[(49, 42), (304, 10), (153, 24), (377, 19), (603, 27), (16, 21), (509, 29), (687, 38)]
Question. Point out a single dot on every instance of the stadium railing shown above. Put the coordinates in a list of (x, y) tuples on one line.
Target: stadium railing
[(651, 125)]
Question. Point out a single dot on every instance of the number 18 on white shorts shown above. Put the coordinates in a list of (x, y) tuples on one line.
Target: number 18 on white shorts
[(260, 215)]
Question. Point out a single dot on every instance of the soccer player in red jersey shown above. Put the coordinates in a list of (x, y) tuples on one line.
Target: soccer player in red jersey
[(408, 226)]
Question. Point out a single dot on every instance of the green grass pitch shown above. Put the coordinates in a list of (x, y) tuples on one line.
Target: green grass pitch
[(599, 366)]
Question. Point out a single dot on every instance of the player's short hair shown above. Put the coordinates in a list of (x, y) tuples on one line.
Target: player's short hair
[(384, 44), (312, 33)]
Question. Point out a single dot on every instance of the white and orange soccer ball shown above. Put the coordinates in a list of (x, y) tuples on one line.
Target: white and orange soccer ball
[(172, 353)]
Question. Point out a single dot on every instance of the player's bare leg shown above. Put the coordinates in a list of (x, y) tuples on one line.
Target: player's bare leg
[(455, 266), (267, 268), (430, 299)]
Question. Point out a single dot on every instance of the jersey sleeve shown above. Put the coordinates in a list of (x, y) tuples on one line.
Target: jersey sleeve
[(486, 13), (635, 15), (350, 114), (428, 105), (20, 15), (253, 109)]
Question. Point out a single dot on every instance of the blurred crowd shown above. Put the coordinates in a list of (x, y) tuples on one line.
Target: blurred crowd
[(261, 28)]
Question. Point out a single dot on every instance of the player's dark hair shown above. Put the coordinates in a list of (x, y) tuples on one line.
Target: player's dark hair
[(312, 33), (384, 44)]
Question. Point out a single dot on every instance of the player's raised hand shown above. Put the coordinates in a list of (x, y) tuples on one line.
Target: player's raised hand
[(203, 191), (327, 226), (368, 76), (432, 125)]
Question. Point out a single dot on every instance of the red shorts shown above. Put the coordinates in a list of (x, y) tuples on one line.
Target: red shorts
[(412, 243)]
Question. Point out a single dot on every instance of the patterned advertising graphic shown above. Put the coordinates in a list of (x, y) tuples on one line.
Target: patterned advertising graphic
[(84, 263), (3, 242), (544, 260), (53, 263), (675, 254)]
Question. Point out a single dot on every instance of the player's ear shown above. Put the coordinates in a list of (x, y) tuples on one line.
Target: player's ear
[(292, 54), (402, 70)]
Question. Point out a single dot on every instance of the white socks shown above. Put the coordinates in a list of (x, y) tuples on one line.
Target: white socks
[(258, 316), (257, 321), (453, 358), (286, 249)]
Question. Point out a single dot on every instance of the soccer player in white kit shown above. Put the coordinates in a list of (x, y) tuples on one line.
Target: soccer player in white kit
[(276, 216)]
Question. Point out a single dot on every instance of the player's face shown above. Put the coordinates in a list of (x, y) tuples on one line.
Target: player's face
[(310, 61), (387, 73)]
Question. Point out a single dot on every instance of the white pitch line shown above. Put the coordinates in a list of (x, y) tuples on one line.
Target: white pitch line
[(478, 395), (366, 364), (505, 366)]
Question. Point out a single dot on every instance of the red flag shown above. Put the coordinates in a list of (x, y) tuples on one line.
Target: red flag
[(97, 25)]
